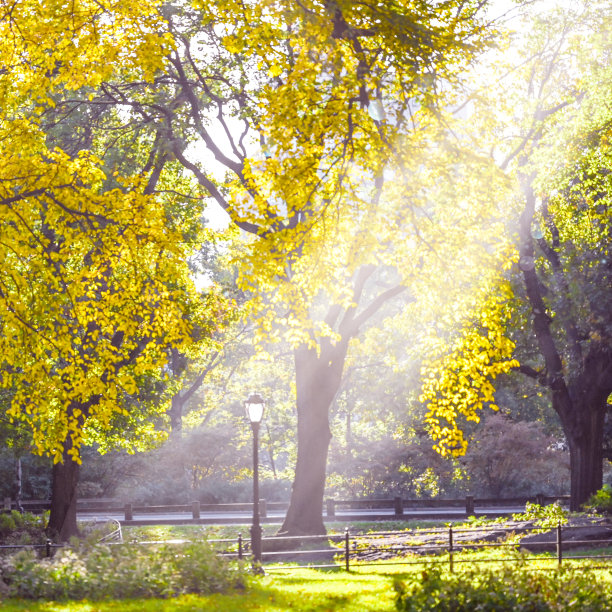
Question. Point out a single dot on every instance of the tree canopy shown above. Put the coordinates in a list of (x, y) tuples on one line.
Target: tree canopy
[(556, 123), (94, 280)]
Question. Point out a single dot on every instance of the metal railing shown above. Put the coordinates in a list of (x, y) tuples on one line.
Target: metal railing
[(409, 547), (440, 545)]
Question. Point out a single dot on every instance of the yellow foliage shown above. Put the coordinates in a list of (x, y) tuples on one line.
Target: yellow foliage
[(312, 78), (457, 379), (93, 283)]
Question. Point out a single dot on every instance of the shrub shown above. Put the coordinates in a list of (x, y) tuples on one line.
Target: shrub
[(22, 528), (508, 588), (119, 572), (547, 517), (7, 524), (601, 501), (508, 458)]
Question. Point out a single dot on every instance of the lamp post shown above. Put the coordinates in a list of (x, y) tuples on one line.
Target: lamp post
[(254, 406)]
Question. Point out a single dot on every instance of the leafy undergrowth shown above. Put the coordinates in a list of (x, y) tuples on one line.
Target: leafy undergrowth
[(508, 588), (601, 501), (22, 528), (120, 572), (489, 586)]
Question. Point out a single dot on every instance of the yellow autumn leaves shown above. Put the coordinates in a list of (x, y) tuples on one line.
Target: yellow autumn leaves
[(93, 283), (457, 380)]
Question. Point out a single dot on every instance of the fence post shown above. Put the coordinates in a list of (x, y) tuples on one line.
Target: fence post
[(559, 544), (129, 514), (398, 505), (347, 550), (469, 505), (540, 499), (330, 508), (263, 508), (8, 502), (195, 510), (450, 549), (48, 549), (240, 546)]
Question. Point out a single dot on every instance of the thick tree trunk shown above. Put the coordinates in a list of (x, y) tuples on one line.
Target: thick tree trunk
[(63, 519), (318, 374), (579, 374), (585, 439), (305, 513), (317, 381), (586, 467)]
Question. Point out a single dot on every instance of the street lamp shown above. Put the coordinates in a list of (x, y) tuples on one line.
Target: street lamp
[(254, 406)]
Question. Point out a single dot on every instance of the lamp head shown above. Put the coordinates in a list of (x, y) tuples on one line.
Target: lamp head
[(254, 406)]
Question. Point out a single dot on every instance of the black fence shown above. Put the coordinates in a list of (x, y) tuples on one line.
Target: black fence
[(441, 545), (343, 551)]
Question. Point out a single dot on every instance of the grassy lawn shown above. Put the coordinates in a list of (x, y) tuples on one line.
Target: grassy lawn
[(169, 532), (298, 590), (365, 589)]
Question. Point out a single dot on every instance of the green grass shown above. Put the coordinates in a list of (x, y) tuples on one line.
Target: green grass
[(297, 590), (169, 532), (364, 589)]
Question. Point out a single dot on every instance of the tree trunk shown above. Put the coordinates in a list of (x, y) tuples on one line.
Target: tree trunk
[(585, 439), (586, 471), (317, 381), (318, 374), (579, 375), (18, 484), (175, 413), (62, 521)]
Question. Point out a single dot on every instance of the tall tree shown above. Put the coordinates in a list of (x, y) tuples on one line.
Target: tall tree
[(559, 157), (314, 105), (314, 118), (94, 288)]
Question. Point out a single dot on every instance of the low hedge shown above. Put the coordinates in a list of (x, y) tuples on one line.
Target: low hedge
[(506, 588), (99, 572)]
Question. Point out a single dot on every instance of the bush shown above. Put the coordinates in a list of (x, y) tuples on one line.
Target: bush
[(118, 572), (508, 588), (7, 524), (508, 458), (601, 501), (22, 528), (547, 517)]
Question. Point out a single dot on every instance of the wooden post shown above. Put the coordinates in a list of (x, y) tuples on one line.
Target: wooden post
[(129, 514), (347, 550), (398, 505), (330, 507), (469, 505), (540, 499), (559, 544), (7, 503), (263, 508), (240, 546), (195, 510)]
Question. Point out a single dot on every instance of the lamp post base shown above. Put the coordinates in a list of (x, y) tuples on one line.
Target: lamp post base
[(256, 549)]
